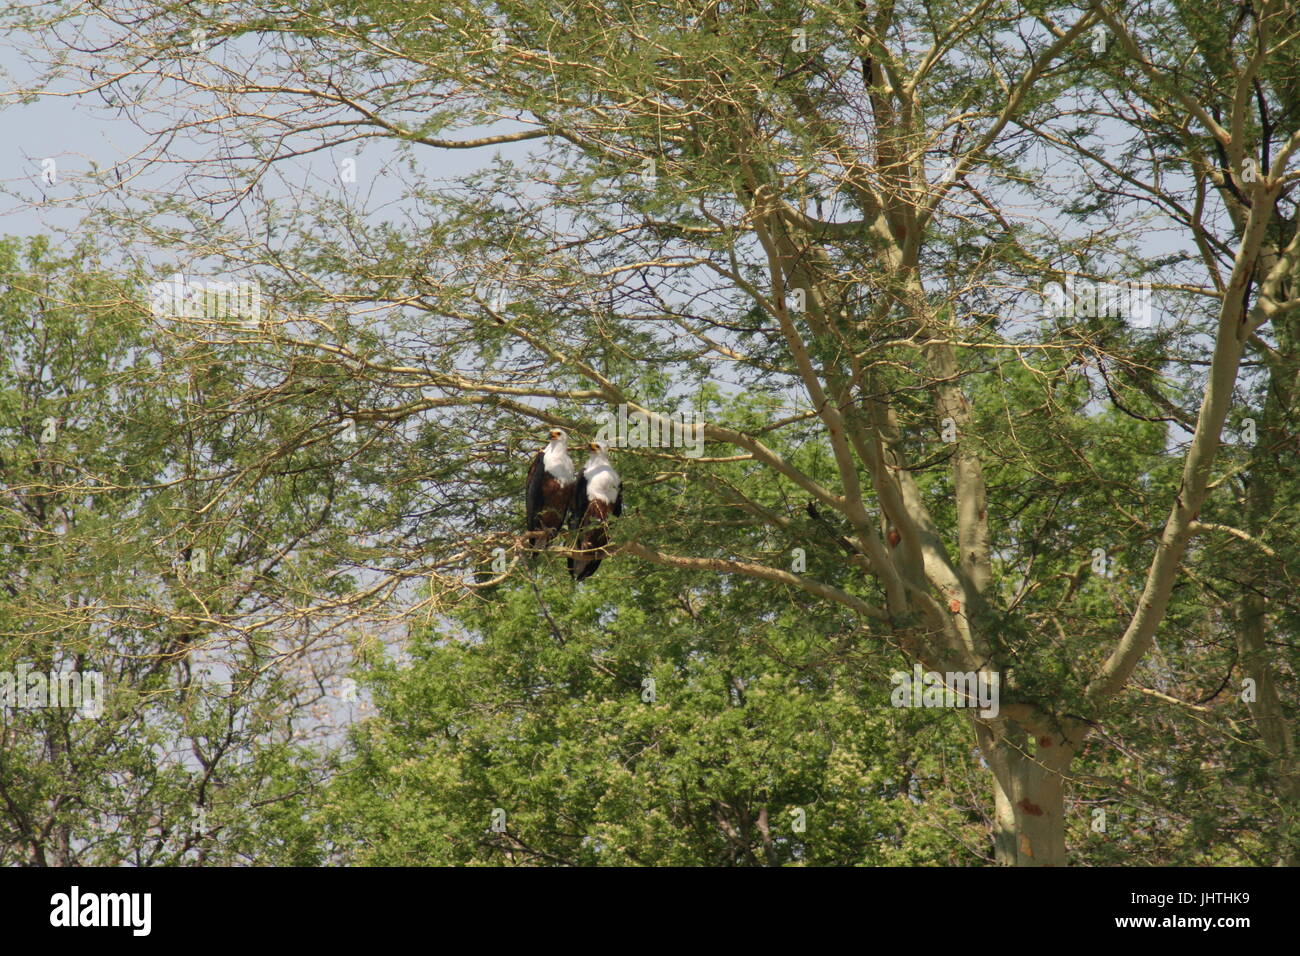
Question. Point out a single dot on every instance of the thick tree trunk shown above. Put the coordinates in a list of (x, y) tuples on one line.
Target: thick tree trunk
[(1028, 793)]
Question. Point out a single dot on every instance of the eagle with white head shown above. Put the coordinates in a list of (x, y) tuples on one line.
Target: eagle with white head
[(551, 480)]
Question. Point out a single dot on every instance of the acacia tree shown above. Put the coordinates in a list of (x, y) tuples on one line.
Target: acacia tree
[(846, 210)]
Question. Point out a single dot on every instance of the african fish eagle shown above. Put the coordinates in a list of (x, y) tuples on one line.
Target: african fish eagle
[(598, 495), (551, 480)]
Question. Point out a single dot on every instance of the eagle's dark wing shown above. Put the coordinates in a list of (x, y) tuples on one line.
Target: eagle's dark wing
[(533, 492), (578, 504)]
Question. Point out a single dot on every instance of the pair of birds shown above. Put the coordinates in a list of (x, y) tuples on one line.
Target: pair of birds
[(556, 493)]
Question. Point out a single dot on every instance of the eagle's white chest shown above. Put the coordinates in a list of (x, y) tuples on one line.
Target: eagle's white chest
[(602, 481), (558, 464)]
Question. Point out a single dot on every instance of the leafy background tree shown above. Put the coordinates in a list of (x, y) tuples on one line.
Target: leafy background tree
[(204, 738)]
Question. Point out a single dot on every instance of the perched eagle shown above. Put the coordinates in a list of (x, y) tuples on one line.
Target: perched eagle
[(551, 480), (599, 494)]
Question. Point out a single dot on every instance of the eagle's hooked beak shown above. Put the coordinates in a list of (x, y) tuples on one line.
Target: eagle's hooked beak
[(593, 446), (555, 433)]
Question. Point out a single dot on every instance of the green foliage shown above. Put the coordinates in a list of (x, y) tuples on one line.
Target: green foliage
[(643, 719)]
